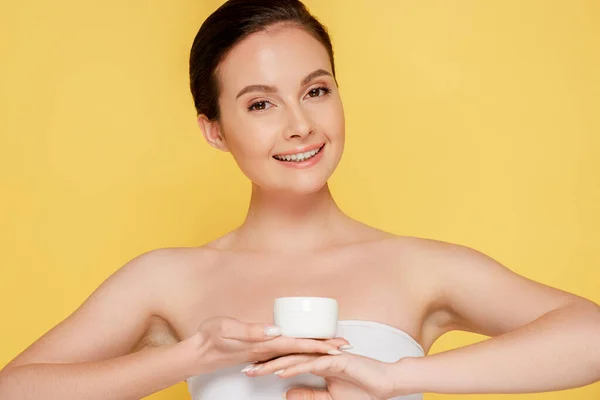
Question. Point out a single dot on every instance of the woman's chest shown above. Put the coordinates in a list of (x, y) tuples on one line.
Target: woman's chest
[(368, 286)]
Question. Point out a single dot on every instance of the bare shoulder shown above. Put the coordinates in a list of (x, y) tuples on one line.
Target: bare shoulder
[(169, 268), (118, 312), (481, 294), (431, 255), (173, 259), (171, 279), (158, 278), (448, 266), (425, 246)]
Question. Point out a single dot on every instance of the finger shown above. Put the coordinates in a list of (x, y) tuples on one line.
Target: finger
[(286, 345), (340, 343), (234, 329), (317, 366), (307, 394), (278, 364)]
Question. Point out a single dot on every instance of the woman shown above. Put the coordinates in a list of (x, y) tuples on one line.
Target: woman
[(263, 80)]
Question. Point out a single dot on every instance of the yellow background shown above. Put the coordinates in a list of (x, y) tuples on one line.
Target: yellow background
[(469, 121)]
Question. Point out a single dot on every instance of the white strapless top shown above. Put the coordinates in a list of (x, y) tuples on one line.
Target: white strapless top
[(370, 339)]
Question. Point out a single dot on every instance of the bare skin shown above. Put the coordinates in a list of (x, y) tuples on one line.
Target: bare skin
[(144, 320), (349, 273)]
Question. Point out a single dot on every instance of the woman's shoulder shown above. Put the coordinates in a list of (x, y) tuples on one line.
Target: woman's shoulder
[(428, 257), (173, 260), (179, 274), (401, 244), (422, 246), (165, 270)]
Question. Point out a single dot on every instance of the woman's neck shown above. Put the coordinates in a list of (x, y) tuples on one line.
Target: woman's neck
[(285, 222)]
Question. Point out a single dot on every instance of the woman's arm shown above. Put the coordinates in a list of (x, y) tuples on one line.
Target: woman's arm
[(557, 351), (132, 376), (543, 339), (86, 355)]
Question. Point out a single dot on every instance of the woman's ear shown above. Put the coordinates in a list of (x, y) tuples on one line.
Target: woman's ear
[(212, 133)]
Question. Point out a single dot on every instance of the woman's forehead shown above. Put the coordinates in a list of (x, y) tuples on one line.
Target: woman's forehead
[(282, 56)]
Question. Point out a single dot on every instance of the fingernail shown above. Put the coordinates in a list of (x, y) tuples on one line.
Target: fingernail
[(279, 373), (256, 368), (248, 368), (334, 352), (272, 331), (346, 347)]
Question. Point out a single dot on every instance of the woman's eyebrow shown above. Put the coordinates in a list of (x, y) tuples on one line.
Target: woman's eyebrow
[(256, 88), (273, 89), (315, 74)]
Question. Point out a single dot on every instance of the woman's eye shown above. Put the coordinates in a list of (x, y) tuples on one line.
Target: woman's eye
[(319, 92), (258, 106)]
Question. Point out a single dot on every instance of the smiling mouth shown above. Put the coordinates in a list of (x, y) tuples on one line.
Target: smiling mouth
[(299, 157)]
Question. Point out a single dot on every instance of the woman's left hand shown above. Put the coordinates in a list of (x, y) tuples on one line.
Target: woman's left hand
[(348, 376)]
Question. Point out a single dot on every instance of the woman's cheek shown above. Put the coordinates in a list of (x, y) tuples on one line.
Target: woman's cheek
[(331, 117)]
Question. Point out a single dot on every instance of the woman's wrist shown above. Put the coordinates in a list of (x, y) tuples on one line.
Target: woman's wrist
[(408, 376), (188, 354)]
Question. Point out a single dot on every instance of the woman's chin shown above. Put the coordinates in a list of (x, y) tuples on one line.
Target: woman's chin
[(301, 188)]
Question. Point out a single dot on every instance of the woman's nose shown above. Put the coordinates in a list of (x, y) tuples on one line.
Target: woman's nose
[(300, 126)]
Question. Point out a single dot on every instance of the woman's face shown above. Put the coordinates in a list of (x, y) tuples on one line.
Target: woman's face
[(281, 114)]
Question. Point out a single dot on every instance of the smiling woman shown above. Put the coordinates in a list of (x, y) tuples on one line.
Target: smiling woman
[(274, 101), (263, 80)]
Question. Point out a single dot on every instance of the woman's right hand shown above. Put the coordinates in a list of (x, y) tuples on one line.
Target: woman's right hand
[(224, 342)]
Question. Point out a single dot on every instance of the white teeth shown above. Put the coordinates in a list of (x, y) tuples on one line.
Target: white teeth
[(300, 156)]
